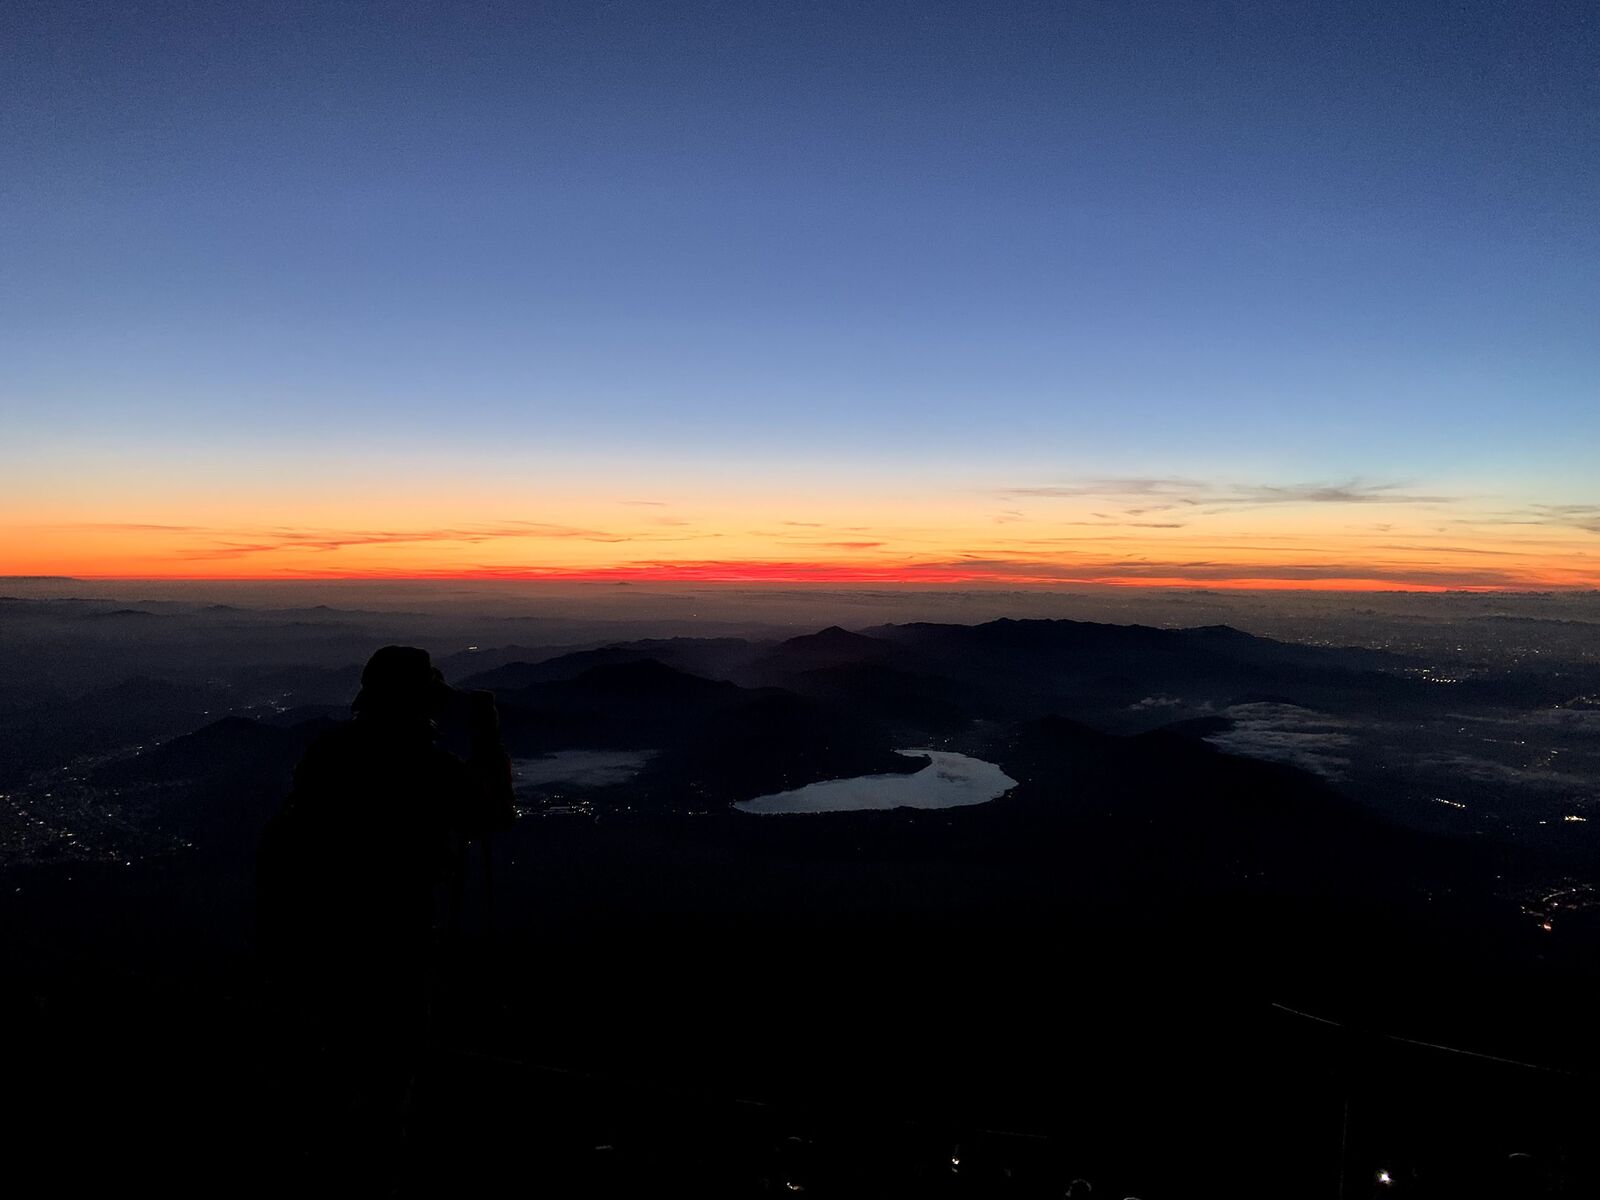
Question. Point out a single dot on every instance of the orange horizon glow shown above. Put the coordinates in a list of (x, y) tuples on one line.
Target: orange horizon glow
[(1333, 539), (757, 572), (841, 579), (828, 575)]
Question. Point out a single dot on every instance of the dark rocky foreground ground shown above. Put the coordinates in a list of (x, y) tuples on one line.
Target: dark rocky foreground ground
[(1163, 968), (874, 1004)]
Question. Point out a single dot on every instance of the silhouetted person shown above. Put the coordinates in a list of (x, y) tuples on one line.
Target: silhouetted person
[(350, 877)]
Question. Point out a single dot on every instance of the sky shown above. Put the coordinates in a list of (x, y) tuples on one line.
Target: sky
[(1248, 295)]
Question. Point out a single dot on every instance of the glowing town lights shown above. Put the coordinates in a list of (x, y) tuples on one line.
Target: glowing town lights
[(1385, 1178)]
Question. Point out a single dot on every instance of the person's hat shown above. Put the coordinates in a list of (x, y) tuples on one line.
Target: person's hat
[(400, 679)]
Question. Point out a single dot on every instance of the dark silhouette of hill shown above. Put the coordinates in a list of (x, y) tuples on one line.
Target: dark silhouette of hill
[(1014, 667), (639, 704), (234, 747), (1197, 816), (464, 663), (303, 684), (716, 658), (118, 717), (917, 704), (516, 675), (646, 681), (1086, 645), (1092, 639), (834, 640), (302, 713), (214, 787), (769, 741), (627, 679), (830, 647), (143, 699), (719, 741)]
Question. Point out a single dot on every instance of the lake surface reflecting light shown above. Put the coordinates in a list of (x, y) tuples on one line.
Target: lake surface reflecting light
[(949, 781)]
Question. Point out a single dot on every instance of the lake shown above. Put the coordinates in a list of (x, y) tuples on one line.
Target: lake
[(949, 781), (583, 768)]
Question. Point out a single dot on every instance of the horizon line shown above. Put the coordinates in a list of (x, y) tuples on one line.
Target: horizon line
[(972, 581)]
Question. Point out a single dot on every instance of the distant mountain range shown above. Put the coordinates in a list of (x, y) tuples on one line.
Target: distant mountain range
[(1087, 717)]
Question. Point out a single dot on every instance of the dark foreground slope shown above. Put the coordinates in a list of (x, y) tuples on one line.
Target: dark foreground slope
[(1102, 974), (1077, 980)]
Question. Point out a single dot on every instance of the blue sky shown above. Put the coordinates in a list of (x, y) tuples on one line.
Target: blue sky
[(1008, 242)]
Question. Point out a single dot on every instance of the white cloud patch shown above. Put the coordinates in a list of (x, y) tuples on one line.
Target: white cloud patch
[(1290, 734)]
